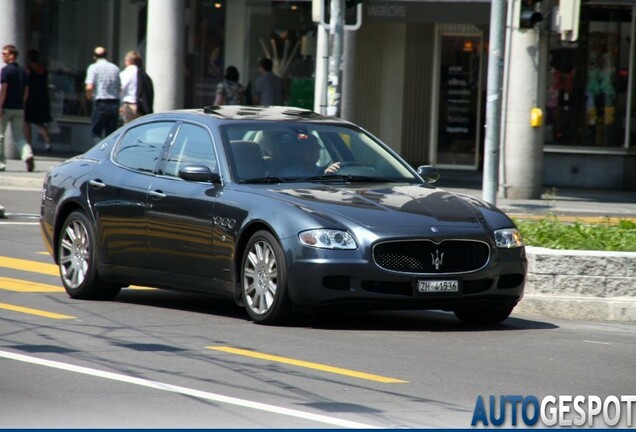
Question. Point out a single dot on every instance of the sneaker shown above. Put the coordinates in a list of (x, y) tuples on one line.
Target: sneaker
[(30, 164)]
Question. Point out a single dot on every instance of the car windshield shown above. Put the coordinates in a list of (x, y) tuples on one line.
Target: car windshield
[(262, 152)]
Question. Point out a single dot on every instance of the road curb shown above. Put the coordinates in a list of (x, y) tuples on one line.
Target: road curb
[(585, 285), (578, 308)]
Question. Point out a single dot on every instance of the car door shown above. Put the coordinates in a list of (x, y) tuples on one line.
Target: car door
[(118, 192), (180, 213)]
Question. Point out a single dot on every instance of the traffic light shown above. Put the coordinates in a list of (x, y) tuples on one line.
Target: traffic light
[(528, 14), (321, 11)]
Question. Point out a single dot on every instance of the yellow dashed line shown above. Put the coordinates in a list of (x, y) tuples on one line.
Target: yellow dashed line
[(20, 285), (30, 266), (306, 364), (37, 312)]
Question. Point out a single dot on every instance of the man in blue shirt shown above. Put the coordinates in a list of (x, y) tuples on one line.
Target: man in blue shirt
[(13, 92), (103, 86), (268, 88)]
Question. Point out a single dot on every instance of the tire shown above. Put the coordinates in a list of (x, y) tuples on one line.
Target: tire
[(488, 313), (77, 258), (264, 280)]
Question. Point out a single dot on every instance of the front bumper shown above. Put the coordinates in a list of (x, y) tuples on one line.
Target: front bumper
[(319, 277)]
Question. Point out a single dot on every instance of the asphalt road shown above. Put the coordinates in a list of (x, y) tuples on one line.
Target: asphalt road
[(159, 359)]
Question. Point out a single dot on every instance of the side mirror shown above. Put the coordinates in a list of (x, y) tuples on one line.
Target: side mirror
[(428, 173), (199, 173)]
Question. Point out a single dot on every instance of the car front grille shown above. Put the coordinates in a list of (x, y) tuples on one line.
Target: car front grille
[(426, 256)]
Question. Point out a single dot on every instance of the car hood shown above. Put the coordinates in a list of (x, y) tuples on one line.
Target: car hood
[(382, 205)]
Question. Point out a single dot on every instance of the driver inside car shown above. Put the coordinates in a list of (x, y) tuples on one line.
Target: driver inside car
[(307, 152)]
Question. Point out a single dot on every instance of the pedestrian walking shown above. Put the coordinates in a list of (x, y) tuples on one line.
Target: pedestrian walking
[(103, 87), (230, 91), (13, 92), (129, 86), (145, 91), (37, 108), (268, 88)]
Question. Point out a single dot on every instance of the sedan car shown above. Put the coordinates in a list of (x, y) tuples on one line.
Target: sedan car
[(281, 209)]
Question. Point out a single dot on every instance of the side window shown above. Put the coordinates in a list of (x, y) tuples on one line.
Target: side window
[(140, 148), (192, 145)]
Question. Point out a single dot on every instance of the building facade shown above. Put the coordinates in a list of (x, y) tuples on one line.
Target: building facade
[(415, 71)]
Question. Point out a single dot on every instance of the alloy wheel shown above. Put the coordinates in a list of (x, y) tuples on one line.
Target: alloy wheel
[(260, 277), (74, 254)]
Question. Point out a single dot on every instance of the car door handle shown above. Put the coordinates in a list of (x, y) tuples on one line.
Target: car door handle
[(97, 184), (157, 194)]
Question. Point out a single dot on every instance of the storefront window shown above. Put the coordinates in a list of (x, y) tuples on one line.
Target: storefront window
[(66, 32), (284, 31), (205, 58), (460, 100), (219, 33), (587, 84)]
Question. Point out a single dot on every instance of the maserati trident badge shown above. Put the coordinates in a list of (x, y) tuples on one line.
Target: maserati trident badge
[(437, 259)]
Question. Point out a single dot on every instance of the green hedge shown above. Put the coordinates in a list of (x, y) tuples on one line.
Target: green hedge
[(552, 233)]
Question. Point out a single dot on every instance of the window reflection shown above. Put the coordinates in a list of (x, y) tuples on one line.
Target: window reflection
[(587, 82)]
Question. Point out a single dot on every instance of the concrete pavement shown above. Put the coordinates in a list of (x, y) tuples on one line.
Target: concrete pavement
[(586, 285)]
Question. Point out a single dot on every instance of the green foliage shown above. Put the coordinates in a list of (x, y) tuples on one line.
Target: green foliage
[(552, 233)]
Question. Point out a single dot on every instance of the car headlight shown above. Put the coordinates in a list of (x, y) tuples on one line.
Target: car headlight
[(327, 239), (508, 238)]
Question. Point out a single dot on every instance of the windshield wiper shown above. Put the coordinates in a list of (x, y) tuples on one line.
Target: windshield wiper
[(264, 180)]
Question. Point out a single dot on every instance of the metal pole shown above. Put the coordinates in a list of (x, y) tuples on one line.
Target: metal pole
[(348, 73), (336, 36), (322, 67), (493, 101)]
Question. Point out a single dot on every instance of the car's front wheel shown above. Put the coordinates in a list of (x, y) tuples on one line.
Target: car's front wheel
[(77, 258), (487, 313), (264, 280)]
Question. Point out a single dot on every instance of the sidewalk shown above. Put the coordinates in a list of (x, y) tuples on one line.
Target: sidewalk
[(572, 203), (569, 204)]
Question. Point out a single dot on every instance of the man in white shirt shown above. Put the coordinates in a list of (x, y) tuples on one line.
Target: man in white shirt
[(128, 78)]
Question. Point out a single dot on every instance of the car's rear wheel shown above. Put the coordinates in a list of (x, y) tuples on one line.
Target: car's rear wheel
[(264, 280), (77, 259), (487, 313)]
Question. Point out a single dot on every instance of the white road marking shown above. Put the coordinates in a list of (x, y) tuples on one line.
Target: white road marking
[(19, 223), (596, 342), (186, 391)]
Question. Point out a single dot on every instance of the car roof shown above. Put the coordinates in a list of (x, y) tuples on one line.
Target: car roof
[(237, 113), (241, 112)]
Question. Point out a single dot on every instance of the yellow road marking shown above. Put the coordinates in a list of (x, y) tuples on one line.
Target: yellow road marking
[(306, 364), (37, 312), (20, 285), (30, 266)]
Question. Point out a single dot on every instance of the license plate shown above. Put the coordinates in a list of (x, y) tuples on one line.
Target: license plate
[(437, 286)]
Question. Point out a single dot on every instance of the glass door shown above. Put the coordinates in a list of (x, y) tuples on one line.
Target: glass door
[(459, 113)]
